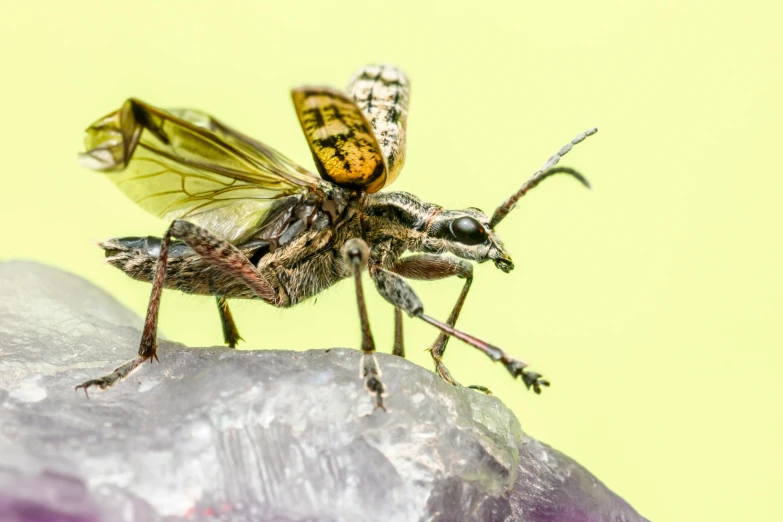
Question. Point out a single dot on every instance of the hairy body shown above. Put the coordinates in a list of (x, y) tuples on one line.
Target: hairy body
[(248, 223), (309, 262)]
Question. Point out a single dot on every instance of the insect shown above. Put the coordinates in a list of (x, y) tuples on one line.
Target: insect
[(248, 223)]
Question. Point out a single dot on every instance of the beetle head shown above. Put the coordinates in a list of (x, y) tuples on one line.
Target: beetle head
[(466, 234)]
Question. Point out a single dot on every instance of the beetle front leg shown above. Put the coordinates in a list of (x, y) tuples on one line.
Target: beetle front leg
[(398, 292), (211, 248), (356, 253), (429, 267)]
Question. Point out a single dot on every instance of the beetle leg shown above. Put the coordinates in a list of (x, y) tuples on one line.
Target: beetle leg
[(399, 345), (230, 333), (429, 267), (118, 374), (212, 249), (399, 293), (356, 253)]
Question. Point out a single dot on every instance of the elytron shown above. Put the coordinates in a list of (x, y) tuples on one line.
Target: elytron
[(248, 223)]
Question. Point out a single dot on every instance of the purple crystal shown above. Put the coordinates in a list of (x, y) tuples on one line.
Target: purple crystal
[(220, 434)]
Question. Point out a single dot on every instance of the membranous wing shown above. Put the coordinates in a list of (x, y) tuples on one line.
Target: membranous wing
[(341, 140), (184, 164), (382, 93)]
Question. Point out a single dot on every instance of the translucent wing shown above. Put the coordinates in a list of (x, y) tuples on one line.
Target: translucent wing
[(344, 147), (183, 164), (382, 93)]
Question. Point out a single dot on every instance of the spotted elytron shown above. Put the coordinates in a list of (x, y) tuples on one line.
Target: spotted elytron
[(248, 223)]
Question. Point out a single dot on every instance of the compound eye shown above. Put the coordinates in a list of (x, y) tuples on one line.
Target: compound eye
[(468, 231)]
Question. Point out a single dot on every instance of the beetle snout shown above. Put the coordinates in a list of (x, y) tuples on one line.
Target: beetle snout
[(504, 263)]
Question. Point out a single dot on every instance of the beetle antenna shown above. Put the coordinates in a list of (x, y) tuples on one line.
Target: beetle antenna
[(540, 175)]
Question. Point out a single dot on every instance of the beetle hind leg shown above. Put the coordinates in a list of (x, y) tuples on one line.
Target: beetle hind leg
[(214, 251)]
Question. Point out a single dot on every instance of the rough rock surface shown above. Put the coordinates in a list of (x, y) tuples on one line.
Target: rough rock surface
[(220, 434)]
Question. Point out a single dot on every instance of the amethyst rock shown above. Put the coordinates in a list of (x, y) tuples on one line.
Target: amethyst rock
[(221, 434)]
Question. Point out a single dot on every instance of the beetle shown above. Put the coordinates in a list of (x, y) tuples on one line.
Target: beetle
[(248, 223)]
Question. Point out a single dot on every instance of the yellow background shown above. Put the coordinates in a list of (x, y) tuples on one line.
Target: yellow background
[(652, 302)]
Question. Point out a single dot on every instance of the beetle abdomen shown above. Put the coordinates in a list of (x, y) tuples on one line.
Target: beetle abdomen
[(185, 270)]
